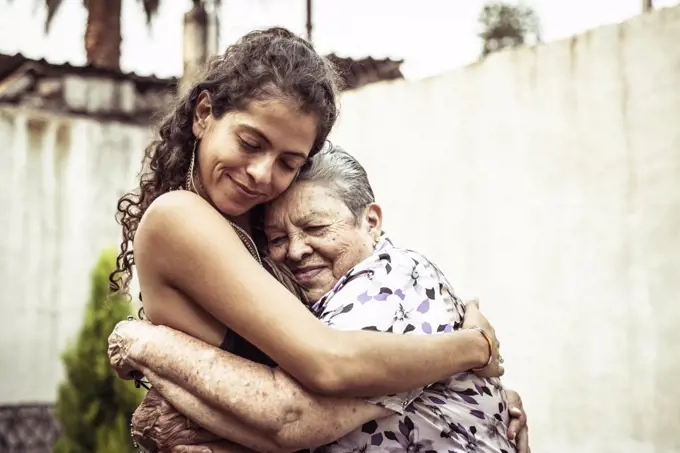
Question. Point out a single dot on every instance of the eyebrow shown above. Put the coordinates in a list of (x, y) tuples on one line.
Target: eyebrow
[(260, 134)]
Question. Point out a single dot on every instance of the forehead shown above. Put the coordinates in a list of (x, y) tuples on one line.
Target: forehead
[(305, 201), (281, 122)]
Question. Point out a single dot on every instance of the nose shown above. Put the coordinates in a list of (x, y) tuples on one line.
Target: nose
[(260, 170), (298, 248)]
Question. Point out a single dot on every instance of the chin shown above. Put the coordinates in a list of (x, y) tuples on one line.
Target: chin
[(229, 207), (312, 299), (229, 210), (315, 294)]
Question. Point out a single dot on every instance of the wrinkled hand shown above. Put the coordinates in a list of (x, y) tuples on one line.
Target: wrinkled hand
[(156, 421), (518, 431), (121, 341), (474, 318), (203, 448)]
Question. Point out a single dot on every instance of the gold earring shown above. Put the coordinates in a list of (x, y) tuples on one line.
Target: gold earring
[(189, 184)]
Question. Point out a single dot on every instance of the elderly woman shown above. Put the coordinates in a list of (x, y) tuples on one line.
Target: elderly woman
[(327, 230)]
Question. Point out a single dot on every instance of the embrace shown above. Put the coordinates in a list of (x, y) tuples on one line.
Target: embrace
[(279, 315)]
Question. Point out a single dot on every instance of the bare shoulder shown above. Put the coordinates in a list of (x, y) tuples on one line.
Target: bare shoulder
[(174, 213), (181, 227), (175, 204)]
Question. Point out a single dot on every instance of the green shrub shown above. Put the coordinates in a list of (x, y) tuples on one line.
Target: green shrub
[(93, 405)]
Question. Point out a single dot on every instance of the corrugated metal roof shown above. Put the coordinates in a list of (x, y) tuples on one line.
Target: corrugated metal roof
[(354, 72), (10, 63), (42, 84)]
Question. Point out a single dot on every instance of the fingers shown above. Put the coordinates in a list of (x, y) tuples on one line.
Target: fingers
[(513, 428), (519, 414), (517, 422), (191, 449), (522, 441), (491, 371), (516, 410), (516, 413), (517, 428), (472, 303), (497, 363), (495, 367), (473, 318), (117, 351)]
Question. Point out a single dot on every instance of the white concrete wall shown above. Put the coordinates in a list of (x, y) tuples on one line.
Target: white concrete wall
[(61, 178), (547, 182)]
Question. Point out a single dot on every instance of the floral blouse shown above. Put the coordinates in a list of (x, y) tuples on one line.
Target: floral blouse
[(400, 291)]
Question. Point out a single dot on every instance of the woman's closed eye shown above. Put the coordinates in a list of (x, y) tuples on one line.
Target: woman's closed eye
[(315, 228), (290, 165), (249, 145), (277, 241)]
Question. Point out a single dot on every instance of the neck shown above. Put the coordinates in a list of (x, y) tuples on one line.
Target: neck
[(242, 221)]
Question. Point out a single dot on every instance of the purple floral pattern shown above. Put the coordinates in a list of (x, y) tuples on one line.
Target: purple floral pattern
[(400, 291)]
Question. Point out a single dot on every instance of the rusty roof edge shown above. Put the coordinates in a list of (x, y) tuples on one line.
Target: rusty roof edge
[(16, 76), (385, 69), (368, 58), (42, 63)]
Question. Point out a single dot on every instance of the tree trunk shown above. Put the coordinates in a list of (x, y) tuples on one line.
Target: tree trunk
[(103, 33), (195, 46), (647, 5)]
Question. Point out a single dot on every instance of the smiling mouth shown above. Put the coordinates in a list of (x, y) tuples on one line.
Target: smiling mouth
[(307, 274), (250, 193)]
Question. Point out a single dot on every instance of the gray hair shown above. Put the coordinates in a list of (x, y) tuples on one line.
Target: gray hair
[(342, 173)]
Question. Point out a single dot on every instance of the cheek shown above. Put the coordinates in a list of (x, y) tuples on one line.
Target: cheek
[(219, 152), (280, 183), (344, 263), (347, 252), (277, 254)]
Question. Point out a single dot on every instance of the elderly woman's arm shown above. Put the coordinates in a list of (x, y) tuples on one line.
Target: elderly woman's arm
[(279, 416), (186, 245), (230, 388), (323, 427)]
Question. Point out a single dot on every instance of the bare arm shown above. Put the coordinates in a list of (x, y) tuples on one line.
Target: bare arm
[(156, 423), (230, 388), (310, 421), (192, 248)]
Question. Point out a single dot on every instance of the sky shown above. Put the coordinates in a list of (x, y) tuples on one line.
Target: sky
[(432, 36)]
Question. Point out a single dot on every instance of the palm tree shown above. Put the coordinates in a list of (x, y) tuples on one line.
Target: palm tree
[(102, 33)]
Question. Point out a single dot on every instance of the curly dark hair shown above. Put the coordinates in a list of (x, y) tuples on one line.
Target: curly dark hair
[(263, 64)]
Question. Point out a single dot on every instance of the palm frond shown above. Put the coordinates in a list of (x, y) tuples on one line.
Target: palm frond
[(51, 7), (150, 8)]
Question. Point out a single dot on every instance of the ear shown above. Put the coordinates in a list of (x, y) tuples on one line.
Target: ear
[(202, 114), (373, 220)]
